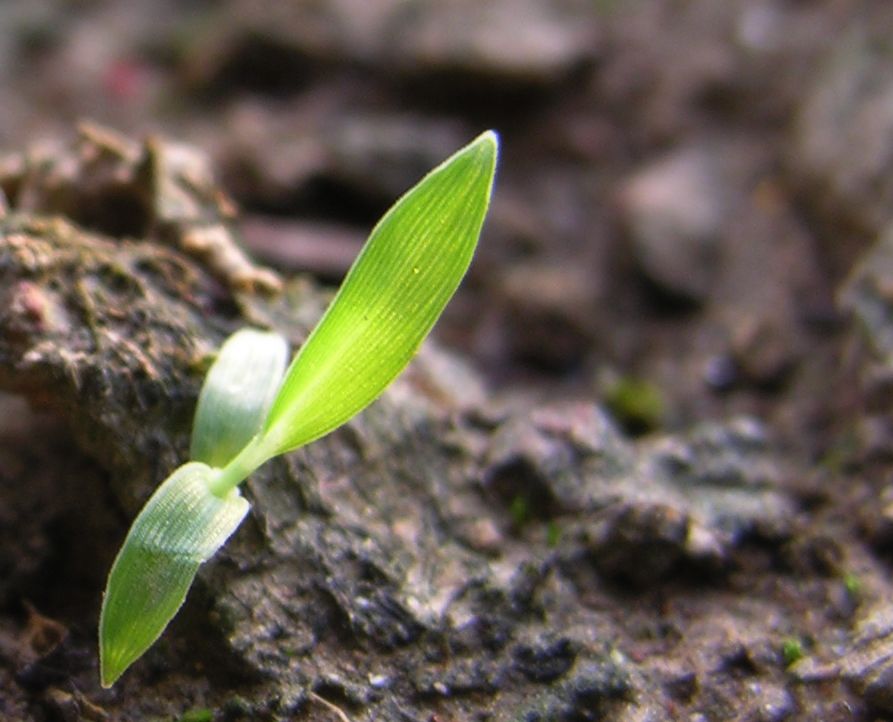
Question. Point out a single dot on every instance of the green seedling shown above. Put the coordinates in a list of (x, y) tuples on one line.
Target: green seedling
[(791, 651), (553, 534), (197, 715), (637, 403), (252, 409), (853, 585), (519, 510)]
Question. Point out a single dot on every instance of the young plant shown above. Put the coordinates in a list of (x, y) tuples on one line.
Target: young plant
[(248, 412)]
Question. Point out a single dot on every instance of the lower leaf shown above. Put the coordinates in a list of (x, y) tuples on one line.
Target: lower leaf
[(181, 526)]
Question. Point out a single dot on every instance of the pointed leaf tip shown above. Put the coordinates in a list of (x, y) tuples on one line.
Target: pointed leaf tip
[(489, 139), (393, 294)]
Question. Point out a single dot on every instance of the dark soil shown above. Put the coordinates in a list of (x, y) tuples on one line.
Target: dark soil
[(642, 472)]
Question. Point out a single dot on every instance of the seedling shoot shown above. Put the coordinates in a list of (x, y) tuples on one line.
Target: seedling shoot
[(252, 408)]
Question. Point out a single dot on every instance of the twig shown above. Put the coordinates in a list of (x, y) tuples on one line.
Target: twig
[(335, 708)]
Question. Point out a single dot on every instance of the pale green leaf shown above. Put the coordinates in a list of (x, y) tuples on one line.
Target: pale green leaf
[(237, 394), (180, 526), (393, 294)]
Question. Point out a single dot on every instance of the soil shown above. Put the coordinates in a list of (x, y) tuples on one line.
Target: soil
[(641, 470)]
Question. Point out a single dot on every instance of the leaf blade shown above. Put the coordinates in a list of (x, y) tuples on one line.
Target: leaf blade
[(237, 394), (180, 527), (390, 299)]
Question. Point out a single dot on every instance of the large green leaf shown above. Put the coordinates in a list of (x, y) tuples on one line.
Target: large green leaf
[(180, 526), (394, 292), (237, 394)]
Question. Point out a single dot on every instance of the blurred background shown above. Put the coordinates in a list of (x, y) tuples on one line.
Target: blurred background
[(683, 183)]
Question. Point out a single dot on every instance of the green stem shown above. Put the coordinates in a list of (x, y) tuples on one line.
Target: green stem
[(240, 467)]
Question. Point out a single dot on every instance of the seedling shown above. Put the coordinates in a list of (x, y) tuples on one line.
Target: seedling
[(791, 651), (249, 412), (853, 585)]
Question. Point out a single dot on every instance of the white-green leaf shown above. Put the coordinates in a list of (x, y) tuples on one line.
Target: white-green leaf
[(393, 294), (237, 394), (180, 526)]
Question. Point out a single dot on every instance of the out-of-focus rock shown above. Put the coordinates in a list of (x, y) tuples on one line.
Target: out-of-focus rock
[(566, 459), (762, 351), (674, 210), (868, 295), (325, 250), (320, 157), (729, 476), (601, 686), (864, 658), (385, 154), (514, 41), (520, 40), (641, 509), (692, 499), (113, 185), (548, 313), (840, 147)]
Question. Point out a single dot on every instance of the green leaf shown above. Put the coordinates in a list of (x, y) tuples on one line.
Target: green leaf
[(237, 394), (180, 526), (393, 294)]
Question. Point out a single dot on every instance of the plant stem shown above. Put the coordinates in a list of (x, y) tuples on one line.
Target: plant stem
[(239, 468)]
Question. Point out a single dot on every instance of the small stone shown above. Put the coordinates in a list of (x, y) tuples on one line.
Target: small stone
[(682, 685), (640, 543), (595, 681), (867, 295), (673, 210), (515, 40), (379, 681), (549, 312), (772, 702), (552, 457), (844, 123), (720, 372), (867, 661), (545, 659), (481, 534)]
